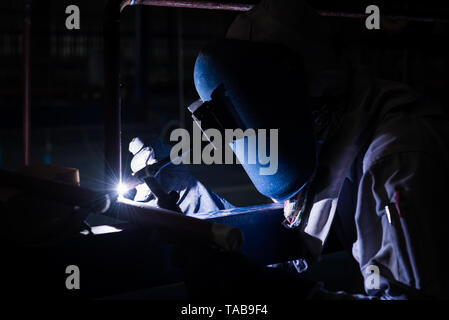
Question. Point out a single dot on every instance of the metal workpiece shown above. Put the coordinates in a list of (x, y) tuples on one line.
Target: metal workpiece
[(178, 228), (56, 191), (167, 220)]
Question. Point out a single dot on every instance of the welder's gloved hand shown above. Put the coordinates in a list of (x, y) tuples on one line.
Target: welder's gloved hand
[(193, 196), (171, 178), (211, 274)]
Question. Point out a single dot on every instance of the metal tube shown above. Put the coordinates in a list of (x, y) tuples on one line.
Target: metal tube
[(391, 17), (26, 85), (235, 6), (180, 73), (112, 103), (194, 4)]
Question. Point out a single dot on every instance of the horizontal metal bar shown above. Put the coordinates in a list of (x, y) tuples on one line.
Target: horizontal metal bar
[(194, 4), (235, 6), (391, 17)]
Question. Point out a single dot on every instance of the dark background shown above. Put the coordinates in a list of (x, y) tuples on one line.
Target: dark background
[(159, 47)]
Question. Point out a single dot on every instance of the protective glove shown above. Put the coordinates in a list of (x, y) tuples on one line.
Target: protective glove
[(171, 178), (193, 196)]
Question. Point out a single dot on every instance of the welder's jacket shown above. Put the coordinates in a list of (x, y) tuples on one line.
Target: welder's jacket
[(382, 172), (382, 181), (382, 178)]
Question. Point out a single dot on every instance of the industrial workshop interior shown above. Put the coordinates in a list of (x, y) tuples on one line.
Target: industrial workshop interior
[(224, 158)]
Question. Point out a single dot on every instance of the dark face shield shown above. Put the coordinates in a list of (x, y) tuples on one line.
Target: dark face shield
[(217, 113), (245, 85)]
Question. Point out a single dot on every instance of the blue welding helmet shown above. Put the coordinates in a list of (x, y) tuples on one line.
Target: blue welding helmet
[(256, 86)]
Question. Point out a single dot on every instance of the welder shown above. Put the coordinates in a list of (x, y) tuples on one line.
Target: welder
[(367, 156)]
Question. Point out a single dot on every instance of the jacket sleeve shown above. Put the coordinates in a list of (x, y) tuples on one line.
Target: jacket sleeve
[(195, 199)]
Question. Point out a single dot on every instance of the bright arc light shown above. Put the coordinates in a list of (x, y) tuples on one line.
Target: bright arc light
[(122, 189)]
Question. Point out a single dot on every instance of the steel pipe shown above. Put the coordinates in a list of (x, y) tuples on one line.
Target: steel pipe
[(194, 4), (112, 103), (26, 123), (350, 15), (235, 6)]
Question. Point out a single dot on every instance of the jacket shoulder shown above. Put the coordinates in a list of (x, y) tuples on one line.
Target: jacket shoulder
[(401, 132)]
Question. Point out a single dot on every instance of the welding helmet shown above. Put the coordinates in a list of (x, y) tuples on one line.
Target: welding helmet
[(250, 85)]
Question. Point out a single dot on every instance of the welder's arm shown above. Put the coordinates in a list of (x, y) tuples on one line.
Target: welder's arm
[(401, 219), (404, 243), (194, 197)]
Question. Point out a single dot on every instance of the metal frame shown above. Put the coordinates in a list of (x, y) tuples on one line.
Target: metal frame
[(26, 121), (112, 104), (112, 108)]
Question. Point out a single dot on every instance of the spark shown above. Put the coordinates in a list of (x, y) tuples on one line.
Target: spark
[(122, 189)]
